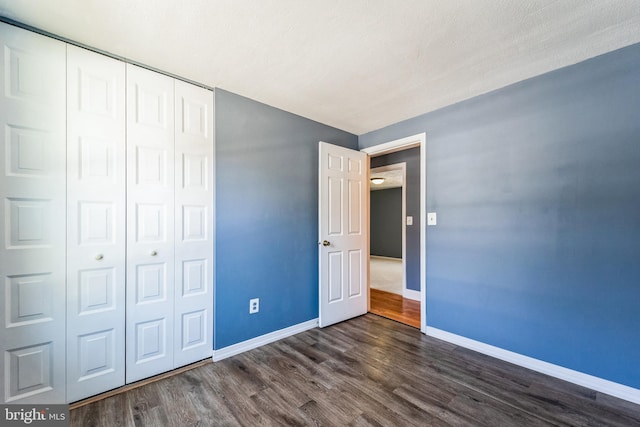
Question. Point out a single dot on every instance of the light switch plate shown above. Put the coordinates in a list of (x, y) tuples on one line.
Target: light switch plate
[(432, 218), (409, 220)]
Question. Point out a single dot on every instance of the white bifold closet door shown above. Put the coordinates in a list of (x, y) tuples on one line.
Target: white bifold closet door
[(150, 223), (170, 223), (32, 233), (106, 241), (95, 223), (194, 224)]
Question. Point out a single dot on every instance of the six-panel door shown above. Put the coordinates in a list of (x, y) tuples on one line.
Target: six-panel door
[(343, 226), (95, 223), (32, 233), (150, 219), (194, 224)]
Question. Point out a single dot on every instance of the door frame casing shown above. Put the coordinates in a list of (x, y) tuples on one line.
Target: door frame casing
[(418, 140)]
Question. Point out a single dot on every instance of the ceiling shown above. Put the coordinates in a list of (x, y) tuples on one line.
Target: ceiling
[(358, 65), (392, 178)]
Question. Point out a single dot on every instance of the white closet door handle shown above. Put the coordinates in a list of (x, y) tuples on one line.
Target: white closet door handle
[(99, 257), (154, 253)]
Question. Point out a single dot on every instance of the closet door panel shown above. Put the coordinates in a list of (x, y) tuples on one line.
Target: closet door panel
[(32, 233), (96, 223), (194, 224), (150, 219)]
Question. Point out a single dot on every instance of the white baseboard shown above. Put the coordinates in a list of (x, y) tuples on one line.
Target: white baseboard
[(595, 383), (256, 342), (411, 294), (390, 258)]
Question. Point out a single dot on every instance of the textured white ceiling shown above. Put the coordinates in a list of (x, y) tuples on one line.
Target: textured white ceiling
[(357, 65), (392, 179)]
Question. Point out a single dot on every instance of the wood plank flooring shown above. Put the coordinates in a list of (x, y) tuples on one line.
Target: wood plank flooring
[(395, 307), (368, 371)]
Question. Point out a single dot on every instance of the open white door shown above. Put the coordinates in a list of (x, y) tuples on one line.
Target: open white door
[(342, 214)]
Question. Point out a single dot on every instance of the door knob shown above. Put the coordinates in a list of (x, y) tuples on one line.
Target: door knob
[(326, 243), (154, 253), (99, 257)]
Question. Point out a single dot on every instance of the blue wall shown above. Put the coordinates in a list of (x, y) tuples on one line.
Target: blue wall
[(385, 222), (266, 216), (412, 158), (537, 190)]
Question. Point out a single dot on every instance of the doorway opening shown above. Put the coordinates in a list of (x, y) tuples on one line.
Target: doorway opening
[(387, 238), (412, 151), (390, 296)]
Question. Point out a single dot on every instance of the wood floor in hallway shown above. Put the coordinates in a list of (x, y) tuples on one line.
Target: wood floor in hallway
[(368, 371), (395, 307)]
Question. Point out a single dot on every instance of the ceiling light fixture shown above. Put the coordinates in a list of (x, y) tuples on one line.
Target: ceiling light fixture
[(377, 181)]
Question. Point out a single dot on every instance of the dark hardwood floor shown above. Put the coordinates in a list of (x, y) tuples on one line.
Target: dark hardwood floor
[(395, 307), (368, 371)]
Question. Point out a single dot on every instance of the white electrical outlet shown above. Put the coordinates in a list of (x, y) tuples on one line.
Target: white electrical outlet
[(254, 305), (409, 220)]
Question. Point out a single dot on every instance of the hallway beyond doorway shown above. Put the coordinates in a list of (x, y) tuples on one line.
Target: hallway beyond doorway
[(386, 274), (386, 292)]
